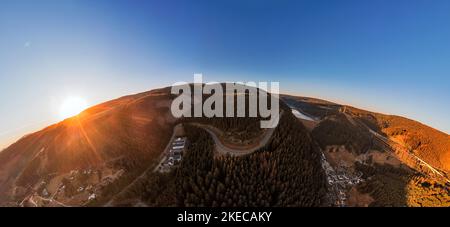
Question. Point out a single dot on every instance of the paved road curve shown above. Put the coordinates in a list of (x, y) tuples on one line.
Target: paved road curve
[(222, 149), (144, 174)]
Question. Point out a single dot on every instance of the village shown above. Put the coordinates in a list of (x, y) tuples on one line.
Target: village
[(75, 187), (339, 181)]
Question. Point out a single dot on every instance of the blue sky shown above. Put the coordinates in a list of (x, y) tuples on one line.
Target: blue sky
[(389, 56)]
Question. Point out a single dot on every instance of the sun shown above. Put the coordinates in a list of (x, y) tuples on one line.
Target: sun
[(72, 106)]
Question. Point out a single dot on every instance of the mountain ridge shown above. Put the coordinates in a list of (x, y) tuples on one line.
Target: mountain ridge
[(105, 147)]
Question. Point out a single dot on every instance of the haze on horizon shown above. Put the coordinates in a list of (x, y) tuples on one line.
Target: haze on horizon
[(386, 56)]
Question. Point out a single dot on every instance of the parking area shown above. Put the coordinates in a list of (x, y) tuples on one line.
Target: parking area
[(174, 155)]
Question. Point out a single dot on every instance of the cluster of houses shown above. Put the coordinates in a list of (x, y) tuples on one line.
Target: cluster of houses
[(340, 180), (174, 155)]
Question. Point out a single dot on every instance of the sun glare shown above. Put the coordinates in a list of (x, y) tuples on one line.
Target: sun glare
[(72, 106)]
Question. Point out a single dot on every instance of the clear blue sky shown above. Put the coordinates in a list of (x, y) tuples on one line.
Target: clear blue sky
[(389, 56)]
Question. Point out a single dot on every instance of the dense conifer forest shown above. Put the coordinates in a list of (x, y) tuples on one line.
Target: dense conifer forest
[(286, 172)]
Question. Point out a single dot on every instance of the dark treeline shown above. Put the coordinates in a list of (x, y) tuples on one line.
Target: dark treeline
[(236, 128), (287, 172), (312, 107), (386, 184), (429, 144), (337, 130)]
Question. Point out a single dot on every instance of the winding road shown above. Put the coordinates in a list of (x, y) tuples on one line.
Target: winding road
[(392, 146)]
